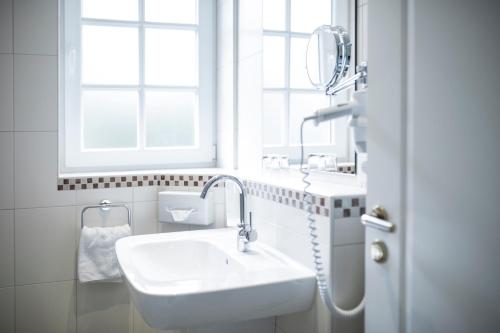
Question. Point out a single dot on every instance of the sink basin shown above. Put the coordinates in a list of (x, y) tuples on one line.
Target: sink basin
[(187, 279)]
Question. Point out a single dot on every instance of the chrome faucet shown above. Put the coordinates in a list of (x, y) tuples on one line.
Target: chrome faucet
[(246, 233)]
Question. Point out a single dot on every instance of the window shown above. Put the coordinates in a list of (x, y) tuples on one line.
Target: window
[(136, 84), (288, 96)]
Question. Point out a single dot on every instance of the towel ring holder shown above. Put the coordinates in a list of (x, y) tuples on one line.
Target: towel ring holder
[(104, 206)]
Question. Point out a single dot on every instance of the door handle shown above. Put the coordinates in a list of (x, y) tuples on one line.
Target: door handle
[(377, 219)]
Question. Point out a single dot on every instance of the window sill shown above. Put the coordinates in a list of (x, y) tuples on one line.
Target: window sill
[(138, 178)]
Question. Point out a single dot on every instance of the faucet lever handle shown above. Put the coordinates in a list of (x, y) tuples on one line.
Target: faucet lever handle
[(252, 233)]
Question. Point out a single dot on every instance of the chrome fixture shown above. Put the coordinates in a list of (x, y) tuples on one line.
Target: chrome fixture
[(377, 219), (104, 206), (246, 233), (378, 251), (328, 60)]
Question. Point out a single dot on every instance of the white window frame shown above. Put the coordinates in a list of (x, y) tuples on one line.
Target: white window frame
[(73, 158), (340, 135)]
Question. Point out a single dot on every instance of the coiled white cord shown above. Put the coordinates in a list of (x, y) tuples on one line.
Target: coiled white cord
[(321, 276)]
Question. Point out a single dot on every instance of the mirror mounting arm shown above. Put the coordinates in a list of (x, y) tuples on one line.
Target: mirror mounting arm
[(361, 76)]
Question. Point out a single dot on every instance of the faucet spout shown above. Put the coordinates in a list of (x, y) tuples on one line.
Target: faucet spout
[(246, 233)]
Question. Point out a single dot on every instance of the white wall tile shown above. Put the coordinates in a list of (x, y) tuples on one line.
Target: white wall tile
[(36, 171), (315, 320), (250, 113), (145, 193), (145, 220), (7, 306), (173, 227), (264, 325), (140, 326), (6, 248), (103, 307), (95, 196), (35, 93), (6, 88), (35, 26), (6, 170), (45, 244), (6, 26), (250, 28), (46, 308)]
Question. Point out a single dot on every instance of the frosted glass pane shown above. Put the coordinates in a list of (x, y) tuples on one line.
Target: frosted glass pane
[(302, 105), (126, 10), (274, 61), (170, 118), (110, 55), (307, 15), (109, 119), (298, 70), (274, 14), (171, 57), (171, 11), (273, 118)]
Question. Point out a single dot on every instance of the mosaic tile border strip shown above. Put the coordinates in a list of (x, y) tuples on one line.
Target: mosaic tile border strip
[(342, 207), (117, 181), (84, 183), (322, 205)]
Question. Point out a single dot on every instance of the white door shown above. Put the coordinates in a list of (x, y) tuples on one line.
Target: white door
[(386, 165), (434, 164)]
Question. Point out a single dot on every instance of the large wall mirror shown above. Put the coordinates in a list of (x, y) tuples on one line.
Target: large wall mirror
[(288, 93)]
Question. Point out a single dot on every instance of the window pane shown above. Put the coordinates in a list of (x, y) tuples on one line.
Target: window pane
[(171, 11), (307, 15), (273, 118), (302, 105), (109, 119), (274, 12), (171, 57), (274, 61), (110, 55), (126, 10), (298, 71), (170, 118)]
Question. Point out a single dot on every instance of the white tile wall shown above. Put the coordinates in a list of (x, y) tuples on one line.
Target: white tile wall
[(145, 193), (35, 93), (45, 244), (317, 319), (36, 171), (285, 228), (6, 248), (35, 27), (103, 307), (46, 308), (140, 326), (40, 226), (250, 113), (145, 218), (226, 83), (6, 26), (7, 305), (6, 89), (95, 196), (6, 170), (250, 29)]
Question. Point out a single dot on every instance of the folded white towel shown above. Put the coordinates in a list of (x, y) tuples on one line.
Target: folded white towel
[(96, 255)]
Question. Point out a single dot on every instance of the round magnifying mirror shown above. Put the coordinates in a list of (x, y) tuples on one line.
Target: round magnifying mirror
[(328, 55)]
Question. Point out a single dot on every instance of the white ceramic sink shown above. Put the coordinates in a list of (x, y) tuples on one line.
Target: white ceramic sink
[(187, 279)]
